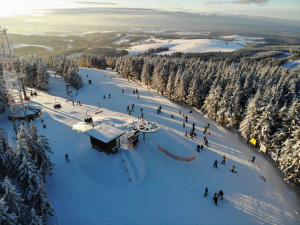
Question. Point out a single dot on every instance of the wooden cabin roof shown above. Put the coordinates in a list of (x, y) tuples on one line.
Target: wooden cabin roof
[(104, 133)]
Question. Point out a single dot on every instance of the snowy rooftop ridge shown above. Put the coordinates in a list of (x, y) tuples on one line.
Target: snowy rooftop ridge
[(104, 133)]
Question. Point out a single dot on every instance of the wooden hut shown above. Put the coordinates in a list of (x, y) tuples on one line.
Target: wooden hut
[(105, 138)]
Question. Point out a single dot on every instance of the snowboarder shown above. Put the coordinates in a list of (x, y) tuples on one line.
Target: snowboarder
[(198, 148), (224, 158), (221, 194), (216, 164), (232, 168), (253, 158), (67, 157), (206, 192), (186, 119), (186, 133), (216, 199)]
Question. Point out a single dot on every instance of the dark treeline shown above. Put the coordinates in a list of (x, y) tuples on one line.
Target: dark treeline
[(66, 68), (260, 101), (23, 172), (91, 61)]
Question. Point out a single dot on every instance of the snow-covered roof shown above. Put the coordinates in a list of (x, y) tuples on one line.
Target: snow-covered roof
[(104, 133)]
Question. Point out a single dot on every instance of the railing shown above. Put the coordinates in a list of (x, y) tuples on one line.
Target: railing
[(175, 156)]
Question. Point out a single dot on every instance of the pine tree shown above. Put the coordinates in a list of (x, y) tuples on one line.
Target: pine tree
[(5, 217), (252, 114), (13, 200), (3, 96), (6, 154), (212, 102), (36, 219)]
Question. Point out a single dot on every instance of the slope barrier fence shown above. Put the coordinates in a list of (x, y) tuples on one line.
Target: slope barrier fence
[(175, 156)]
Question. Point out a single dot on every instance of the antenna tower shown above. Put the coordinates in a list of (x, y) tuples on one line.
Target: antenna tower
[(11, 79)]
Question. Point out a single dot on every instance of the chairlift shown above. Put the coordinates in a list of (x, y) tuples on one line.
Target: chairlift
[(56, 105)]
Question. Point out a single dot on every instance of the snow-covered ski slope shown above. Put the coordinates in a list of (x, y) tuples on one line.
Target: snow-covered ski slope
[(94, 188)]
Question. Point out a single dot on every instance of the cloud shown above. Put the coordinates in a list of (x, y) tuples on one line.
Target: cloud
[(259, 2), (96, 3)]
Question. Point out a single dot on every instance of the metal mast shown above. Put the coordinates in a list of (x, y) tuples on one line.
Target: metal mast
[(11, 79)]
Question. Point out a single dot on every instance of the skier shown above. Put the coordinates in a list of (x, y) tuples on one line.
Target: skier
[(186, 118), (206, 142), (108, 95), (142, 115), (198, 148), (73, 102), (127, 108), (122, 90), (67, 157), (253, 158), (183, 125), (208, 125), (136, 91), (103, 96), (79, 102), (232, 168), (216, 199), (221, 194), (141, 110), (186, 133), (201, 147), (216, 164), (179, 112), (132, 108), (204, 130), (224, 158), (206, 192), (31, 93)]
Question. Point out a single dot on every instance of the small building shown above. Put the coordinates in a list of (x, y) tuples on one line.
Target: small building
[(105, 138)]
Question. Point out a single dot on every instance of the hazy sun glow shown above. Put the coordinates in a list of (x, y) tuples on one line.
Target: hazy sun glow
[(21, 7)]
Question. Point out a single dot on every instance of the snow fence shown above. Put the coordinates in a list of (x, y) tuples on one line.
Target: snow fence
[(175, 156)]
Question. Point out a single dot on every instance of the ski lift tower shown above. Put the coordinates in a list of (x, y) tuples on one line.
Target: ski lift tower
[(11, 79)]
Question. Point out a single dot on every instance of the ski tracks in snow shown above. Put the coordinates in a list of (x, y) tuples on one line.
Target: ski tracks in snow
[(134, 165)]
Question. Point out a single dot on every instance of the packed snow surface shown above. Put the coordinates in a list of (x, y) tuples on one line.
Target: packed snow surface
[(143, 185)]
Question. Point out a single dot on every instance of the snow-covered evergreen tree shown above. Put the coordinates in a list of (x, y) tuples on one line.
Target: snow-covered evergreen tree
[(6, 154), (35, 219), (212, 102), (5, 217), (13, 201)]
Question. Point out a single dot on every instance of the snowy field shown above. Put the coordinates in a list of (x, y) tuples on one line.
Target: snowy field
[(186, 46), (94, 188)]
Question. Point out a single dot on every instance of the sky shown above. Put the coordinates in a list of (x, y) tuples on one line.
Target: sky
[(32, 16), (286, 9)]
